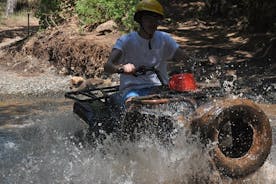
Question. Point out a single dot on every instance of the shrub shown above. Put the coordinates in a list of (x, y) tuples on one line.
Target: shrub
[(54, 12), (260, 14), (98, 11)]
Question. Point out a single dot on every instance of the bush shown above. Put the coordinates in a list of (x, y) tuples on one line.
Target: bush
[(54, 12), (47, 12), (260, 14), (98, 11)]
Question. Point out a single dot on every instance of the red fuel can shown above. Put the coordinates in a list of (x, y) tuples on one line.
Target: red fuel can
[(182, 82)]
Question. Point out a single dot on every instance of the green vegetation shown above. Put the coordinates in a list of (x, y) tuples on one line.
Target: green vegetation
[(2, 9), (256, 15), (90, 12), (99, 11), (48, 13)]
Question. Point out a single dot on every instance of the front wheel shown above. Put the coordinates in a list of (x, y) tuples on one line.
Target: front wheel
[(241, 131)]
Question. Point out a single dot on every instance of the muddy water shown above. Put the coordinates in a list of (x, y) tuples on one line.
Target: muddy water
[(37, 146)]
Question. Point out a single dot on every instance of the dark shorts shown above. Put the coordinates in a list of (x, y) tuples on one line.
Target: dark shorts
[(118, 100), (138, 92)]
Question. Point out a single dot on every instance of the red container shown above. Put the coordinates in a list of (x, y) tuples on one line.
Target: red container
[(183, 82)]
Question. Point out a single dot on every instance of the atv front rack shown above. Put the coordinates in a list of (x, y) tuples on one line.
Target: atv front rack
[(104, 93), (90, 95)]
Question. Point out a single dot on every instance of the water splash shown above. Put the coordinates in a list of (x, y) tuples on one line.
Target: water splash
[(48, 155), (46, 152)]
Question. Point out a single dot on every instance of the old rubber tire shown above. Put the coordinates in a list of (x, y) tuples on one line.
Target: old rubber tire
[(248, 127)]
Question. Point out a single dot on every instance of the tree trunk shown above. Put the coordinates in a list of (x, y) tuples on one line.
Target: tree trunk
[(11, 4)]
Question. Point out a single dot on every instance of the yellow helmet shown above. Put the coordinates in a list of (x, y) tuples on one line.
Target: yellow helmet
[(149, 6)]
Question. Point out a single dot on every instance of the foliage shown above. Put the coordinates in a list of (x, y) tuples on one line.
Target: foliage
[(54, 12), (2, 8), (47, 12), (98, 11), (257, 15), (260, 15), (26, 4)]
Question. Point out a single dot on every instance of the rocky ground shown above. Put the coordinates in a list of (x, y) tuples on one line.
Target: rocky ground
[(22, 74)]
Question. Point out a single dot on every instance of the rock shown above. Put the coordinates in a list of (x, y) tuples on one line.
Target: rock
[(107, 27), (212, 60)]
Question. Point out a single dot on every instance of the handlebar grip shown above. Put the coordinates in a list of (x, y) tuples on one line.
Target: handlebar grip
[(120, 70)]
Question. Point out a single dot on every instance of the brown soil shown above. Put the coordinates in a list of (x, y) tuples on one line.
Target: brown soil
[(71, 52), (64, 47)]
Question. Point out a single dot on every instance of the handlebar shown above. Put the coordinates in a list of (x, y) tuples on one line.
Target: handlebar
[(142, 70)]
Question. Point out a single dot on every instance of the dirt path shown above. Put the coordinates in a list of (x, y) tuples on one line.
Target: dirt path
[(48, 84), (23, 75)]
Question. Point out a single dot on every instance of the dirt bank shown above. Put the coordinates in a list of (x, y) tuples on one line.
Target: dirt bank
[(65, 48)]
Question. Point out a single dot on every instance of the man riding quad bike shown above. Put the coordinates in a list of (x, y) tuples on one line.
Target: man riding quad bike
[(238, 127), (147, 101)]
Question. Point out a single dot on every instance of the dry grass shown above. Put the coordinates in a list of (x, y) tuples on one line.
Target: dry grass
[(2, 9), (18, 20)]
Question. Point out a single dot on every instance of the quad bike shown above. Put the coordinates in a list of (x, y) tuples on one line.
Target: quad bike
[(239, 129)]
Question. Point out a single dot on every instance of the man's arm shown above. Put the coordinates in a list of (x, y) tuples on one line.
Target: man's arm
[(112, 64), (180, 56)]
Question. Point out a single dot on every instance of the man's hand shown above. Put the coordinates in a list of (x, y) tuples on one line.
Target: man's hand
[(112, 65), (129, 68)]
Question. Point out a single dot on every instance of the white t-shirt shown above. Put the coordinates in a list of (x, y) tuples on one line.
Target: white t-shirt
[(136, 50)]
